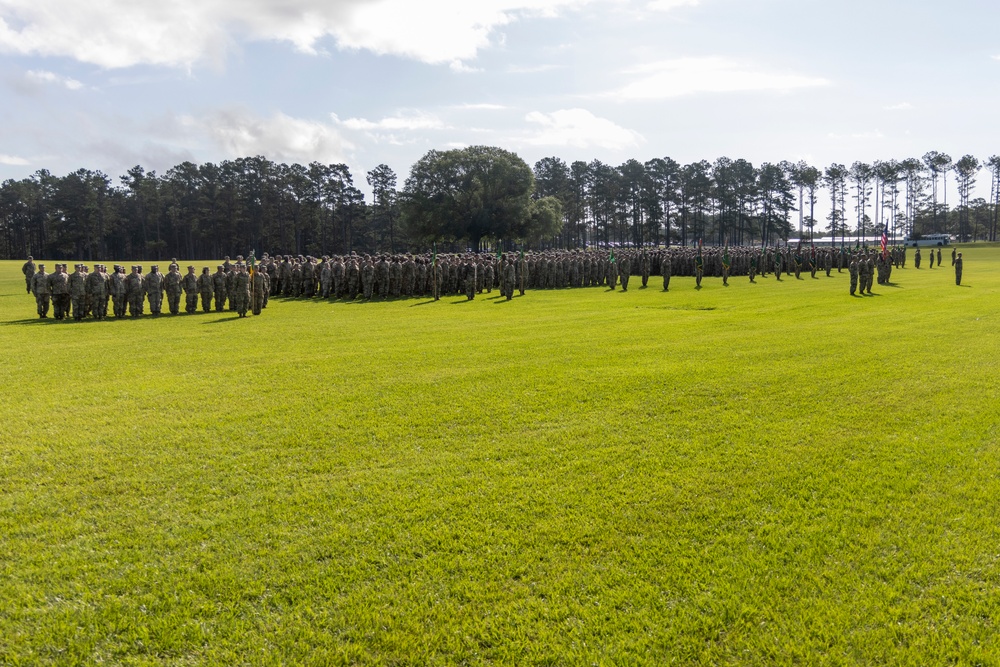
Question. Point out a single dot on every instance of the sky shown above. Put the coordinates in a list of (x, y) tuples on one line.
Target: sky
[(109, 84)]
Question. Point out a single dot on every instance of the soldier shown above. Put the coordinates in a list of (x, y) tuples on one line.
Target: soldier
[(190, 284), (172, 285), (916, 257), (59, 288), (173, 265), (624, 270), (699, 269), (153, 285), (726, 264), (117, 290), (205, 289), (643, 267), (231, 287), (325, 279), (241, 289), (133, 292), (258, 291), (509, 277), (953, 257), (470, 280), (930, 258), (308, 281), (78, 292), (42, 292), (958, 269), (367, 278), (219, 288), (665, 269), (29, 272), (353, 278), (853, 269), (98, 293), (939, 257)]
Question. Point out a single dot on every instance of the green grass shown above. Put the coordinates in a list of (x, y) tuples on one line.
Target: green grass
[(758, 474)]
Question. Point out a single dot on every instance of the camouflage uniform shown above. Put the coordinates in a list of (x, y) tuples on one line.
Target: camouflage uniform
[(258, 291), (78, 292), (133, 292), (367, 278), (29, 272), (117, 289), (205, 289), (98, 292), (219, 288), (171, 284), (853, 269), (40, 288), (625, 270), (958, 269), (154, 285), (190, 284), (241, 290)]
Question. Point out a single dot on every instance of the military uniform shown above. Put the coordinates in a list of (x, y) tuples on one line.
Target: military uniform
[(41, 290), (190, 284)]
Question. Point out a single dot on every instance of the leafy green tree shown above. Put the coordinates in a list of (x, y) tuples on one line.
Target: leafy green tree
[(385, 205), (468, 194), (966, 170)]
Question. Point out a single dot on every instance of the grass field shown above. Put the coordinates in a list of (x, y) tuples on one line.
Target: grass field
[(758, 474)]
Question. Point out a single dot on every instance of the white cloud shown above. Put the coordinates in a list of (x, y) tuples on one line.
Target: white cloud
[(713, 74), (667, 5), (42, 76), (579, 128), (902, 106), (122, 33), (278, 137), (13, 160), (408, 120)]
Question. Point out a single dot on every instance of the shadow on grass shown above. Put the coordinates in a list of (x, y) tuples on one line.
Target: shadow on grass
[(231, 318)]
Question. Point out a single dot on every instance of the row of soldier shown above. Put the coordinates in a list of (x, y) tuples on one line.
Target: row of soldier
[(84, 293), (430, 275)]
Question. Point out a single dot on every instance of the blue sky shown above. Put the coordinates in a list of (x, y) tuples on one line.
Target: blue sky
[(107, 84)]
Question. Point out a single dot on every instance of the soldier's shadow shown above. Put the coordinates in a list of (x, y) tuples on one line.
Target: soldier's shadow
[(35, 320), (223, 319)]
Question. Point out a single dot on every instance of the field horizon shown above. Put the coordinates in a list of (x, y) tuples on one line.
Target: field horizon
[(760, 473)]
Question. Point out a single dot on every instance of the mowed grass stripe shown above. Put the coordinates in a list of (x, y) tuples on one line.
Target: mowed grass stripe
[(759, 473)]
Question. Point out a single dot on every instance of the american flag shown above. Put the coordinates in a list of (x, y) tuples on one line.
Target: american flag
[(885, 242)]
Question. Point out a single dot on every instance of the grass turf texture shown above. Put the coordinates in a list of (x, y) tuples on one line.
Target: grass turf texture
[(769, 473)]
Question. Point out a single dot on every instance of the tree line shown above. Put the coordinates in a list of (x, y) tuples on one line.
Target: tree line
[(481, 197)]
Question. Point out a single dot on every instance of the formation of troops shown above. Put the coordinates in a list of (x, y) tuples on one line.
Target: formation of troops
[(246, 286), (88, 293)]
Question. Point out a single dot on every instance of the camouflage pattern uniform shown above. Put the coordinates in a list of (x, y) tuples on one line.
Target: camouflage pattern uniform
[(219, 288), (154, 284), (258, 291), (958, 269), (29, 272), (190, 284), (205, 289), (241, 290), (367, 278), (78, 293), (172, 285), (117, 289), (98, 292), (133, 292), (40, 288)]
